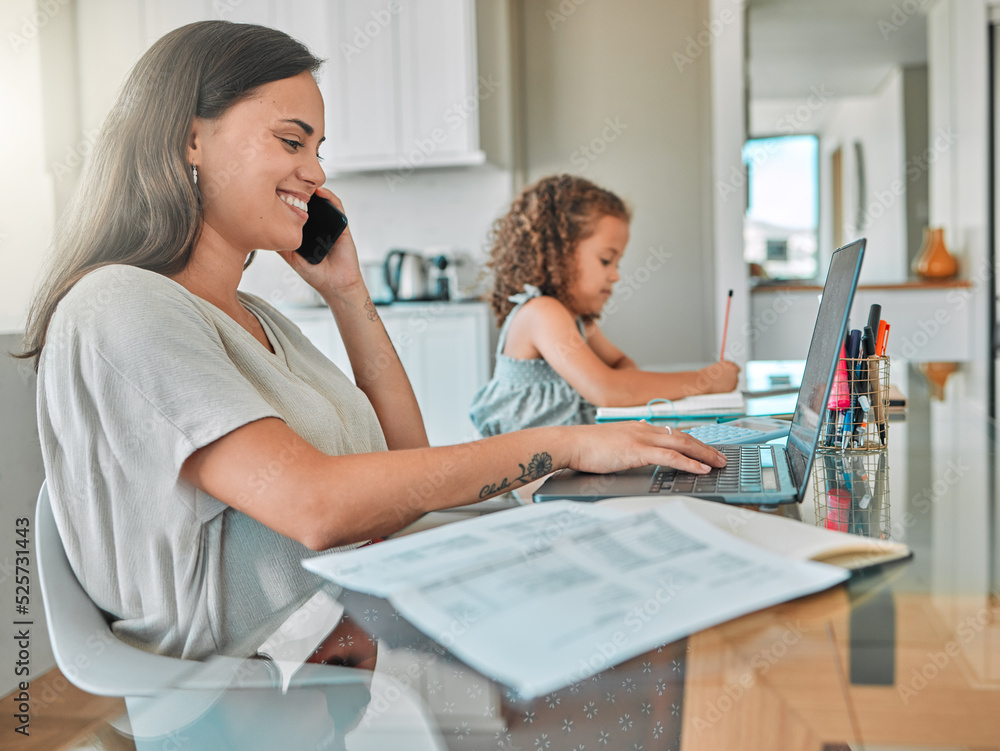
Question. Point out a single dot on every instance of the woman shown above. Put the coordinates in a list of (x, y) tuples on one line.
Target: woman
[(195, 444)]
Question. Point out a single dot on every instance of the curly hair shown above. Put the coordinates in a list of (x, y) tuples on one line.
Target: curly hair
[(535, 242)]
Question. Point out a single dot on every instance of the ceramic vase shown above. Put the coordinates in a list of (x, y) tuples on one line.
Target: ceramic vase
[(934, 260)]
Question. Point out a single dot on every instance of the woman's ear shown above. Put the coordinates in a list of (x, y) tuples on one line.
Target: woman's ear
[(194, 141)]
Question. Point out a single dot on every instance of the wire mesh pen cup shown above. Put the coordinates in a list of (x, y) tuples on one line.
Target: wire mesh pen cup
[(856, 418), (851, 492)]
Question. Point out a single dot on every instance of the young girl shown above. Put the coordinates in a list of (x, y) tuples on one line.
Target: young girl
[(555, 259)]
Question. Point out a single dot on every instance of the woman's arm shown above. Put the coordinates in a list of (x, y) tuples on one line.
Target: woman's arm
[(553, 332), (377, 369), (268, 472)]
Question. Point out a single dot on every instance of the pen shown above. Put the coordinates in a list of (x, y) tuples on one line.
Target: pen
[(874, 318), (839, 398), (885, 341), (725, 326), (853, 347), (874, 383)]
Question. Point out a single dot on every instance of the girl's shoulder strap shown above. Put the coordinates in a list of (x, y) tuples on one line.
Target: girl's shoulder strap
[(530, 292)]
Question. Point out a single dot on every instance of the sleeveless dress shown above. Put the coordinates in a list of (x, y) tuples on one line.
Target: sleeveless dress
[(526, 393)]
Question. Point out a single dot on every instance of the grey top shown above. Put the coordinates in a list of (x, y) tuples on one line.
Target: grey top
[(138, 373), (526, 393)]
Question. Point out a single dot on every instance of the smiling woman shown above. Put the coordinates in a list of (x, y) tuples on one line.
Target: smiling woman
[(196, 445)]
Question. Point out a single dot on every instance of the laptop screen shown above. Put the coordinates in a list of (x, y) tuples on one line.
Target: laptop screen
[(824, 351)]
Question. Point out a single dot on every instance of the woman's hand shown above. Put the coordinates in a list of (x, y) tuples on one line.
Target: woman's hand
[(613, 447), (717, 378), (340, 269)]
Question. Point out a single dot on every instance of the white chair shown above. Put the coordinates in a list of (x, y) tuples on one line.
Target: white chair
[(221, 703)]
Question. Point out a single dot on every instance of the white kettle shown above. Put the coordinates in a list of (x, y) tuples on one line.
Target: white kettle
[(406, 275)]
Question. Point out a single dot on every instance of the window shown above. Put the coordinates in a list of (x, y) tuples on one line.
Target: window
[(780, 230)]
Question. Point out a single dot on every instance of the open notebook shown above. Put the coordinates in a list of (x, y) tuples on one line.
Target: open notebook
[(778, 534), (700, 405)]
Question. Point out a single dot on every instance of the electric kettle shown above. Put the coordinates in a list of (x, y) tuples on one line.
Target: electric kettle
[(406, 275)]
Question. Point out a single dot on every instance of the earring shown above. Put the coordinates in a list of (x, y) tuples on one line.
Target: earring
[(194, 173)]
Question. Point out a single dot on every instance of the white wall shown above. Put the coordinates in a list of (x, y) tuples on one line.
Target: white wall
[(603, 76), (26, 192)]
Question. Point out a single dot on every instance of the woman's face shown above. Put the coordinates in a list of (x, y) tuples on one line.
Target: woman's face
[(258, 165)]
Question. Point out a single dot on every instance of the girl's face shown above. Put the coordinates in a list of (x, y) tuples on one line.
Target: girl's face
[(258, 165), (597, 258)]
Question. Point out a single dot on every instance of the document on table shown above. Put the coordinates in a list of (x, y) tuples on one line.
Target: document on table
[(544, 596)]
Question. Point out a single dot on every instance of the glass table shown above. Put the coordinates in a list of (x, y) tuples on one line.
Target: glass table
[(902, 656)]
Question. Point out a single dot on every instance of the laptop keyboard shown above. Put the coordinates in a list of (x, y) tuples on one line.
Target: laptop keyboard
[(749, 469)]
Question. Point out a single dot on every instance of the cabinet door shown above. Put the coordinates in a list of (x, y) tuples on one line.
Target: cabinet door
[(445, 351), (359, 84), (438, 86)]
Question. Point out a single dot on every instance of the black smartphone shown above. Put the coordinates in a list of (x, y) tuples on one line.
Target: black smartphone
[(325, 224)]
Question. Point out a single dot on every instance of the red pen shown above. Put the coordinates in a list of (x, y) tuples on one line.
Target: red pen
[(725, 326)]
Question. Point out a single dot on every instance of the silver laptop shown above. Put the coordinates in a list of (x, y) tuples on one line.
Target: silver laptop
[(756, 474)]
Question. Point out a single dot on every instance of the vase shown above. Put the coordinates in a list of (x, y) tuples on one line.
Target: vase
[(934, 261)]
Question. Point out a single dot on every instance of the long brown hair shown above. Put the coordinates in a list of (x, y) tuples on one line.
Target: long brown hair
[(137, 203), (535, 242)]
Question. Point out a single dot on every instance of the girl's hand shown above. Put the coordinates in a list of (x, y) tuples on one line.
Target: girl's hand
[(718, 378), (613, 447), (340, 269)]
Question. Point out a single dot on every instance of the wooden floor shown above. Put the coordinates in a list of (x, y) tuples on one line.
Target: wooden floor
[(64, 718)]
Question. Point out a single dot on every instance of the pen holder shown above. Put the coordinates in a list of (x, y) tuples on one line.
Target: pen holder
[(851, 492), (856, 418)]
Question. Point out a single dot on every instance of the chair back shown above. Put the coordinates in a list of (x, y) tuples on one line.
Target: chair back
[(90, 656)]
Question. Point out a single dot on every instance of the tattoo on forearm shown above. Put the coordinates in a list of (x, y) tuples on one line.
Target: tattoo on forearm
[(539, 466), (372, 312)]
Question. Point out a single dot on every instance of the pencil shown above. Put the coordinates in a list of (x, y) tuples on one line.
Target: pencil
[(725, 326)]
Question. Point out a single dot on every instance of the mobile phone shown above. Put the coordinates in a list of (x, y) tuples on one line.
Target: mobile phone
[(325, 224)]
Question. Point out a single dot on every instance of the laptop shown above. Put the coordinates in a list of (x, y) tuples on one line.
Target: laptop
[(756, 473)]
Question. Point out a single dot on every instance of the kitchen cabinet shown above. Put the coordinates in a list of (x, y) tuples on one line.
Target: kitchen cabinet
[(400, 80), (444, 348), (401, 85)]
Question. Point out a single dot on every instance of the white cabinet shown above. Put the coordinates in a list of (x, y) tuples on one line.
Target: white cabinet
[(444, 348), (928, 323), (401, 85), (400, 81)]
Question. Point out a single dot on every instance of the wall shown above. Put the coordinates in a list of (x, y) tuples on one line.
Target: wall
[(39, 150), (604, 97), (876, 122), (21, 475)]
